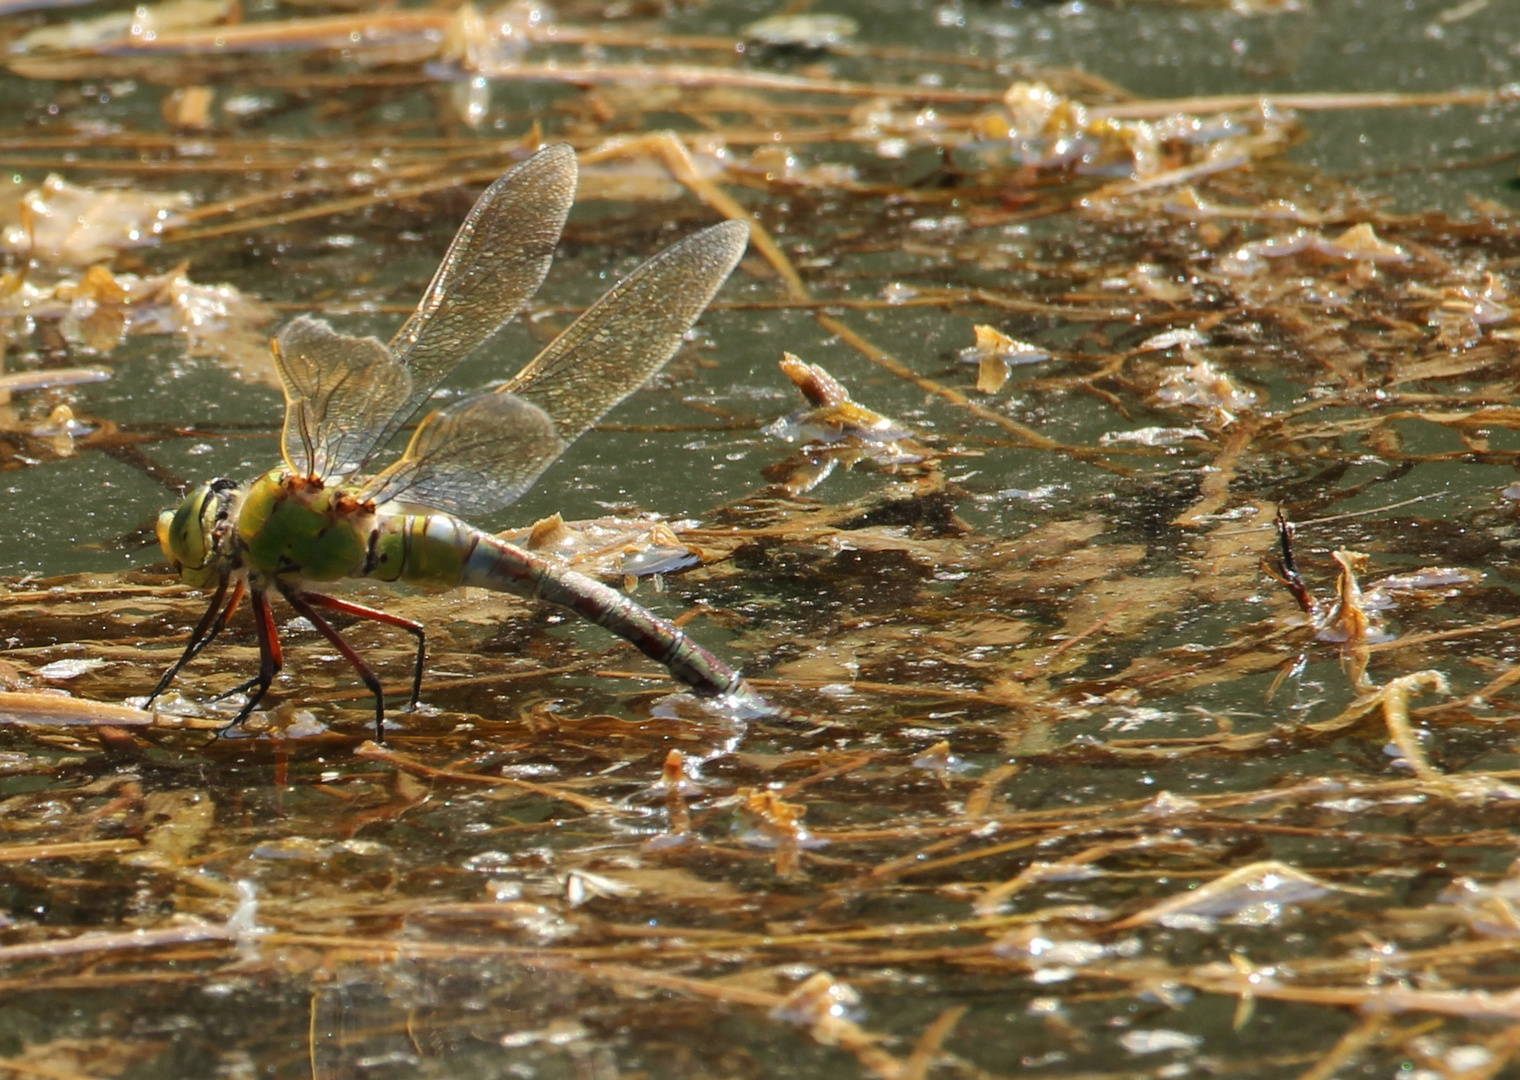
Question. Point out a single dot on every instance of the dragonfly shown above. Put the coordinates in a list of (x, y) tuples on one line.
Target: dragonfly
[(328, 513)]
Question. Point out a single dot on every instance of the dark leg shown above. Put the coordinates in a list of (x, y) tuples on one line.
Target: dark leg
[(299, 602), (358, 611), (199, 637), (240, 688), (239, 591), (271, 659)]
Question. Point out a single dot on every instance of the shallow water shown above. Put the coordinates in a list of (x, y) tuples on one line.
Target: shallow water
[(1034, 689)]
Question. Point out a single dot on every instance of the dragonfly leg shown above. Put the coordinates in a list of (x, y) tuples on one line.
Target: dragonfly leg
[(416, 629), (301, 603), (240, 688), (271, 657), (204, 633)]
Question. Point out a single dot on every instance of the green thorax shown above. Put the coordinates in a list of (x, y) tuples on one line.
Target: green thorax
[(292, 526)]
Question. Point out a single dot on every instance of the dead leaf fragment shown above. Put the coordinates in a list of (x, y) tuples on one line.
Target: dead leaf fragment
[(1255, 893), (61, 224)]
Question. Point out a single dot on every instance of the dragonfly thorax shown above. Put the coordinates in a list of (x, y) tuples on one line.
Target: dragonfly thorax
[(293, 526)]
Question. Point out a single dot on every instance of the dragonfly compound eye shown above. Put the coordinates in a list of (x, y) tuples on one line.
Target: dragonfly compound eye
[(165, 530), (187, 533)]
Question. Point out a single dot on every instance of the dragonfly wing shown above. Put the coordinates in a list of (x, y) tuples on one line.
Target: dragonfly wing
[(472, 458), (339, 393), (495, 264), (629, 334), (483, 453)]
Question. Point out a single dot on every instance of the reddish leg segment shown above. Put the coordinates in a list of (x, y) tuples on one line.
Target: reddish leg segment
[(299, 601), (271, 658), (416, 629)]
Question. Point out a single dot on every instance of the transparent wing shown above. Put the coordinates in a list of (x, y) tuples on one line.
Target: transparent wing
[(482, 454), (495, 264), (629, 333), (339, 393), (473, 457)]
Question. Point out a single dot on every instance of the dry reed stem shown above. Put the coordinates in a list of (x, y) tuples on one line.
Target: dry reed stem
[(375, 752)]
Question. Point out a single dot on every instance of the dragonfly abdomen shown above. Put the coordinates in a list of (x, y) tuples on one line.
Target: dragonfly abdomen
[(425, 549), (442, 550)]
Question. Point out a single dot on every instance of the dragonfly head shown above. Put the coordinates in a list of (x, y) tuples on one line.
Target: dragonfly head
[(196, 535)]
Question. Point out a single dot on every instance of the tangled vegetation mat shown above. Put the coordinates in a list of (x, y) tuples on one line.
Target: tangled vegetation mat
[(1133, 576)]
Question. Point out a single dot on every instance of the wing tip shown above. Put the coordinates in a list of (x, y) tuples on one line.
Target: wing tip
[(557, 161), (723, 243), (554, 151), (734, 230)]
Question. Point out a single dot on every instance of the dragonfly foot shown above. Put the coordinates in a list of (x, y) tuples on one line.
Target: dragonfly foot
[(224, 732)]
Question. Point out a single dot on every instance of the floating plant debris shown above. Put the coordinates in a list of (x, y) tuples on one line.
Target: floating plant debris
[(1147, 692), (61, 224)]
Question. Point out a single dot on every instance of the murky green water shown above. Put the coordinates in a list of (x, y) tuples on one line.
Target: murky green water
[(1088, 633), (1151, 49)]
